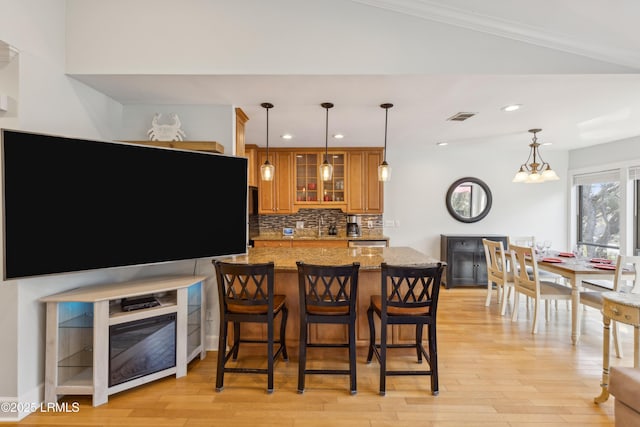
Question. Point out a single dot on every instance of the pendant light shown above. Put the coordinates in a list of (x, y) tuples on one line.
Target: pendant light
[(326, 169), (538, 170), (384, 170), (267, 169)]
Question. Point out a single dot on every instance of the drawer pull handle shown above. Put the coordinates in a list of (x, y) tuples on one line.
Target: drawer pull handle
[(628, 317), (615, 310)]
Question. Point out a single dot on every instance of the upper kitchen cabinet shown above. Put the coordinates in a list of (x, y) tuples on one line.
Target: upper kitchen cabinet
[(251, 153), (310, 189), (241, 119), (365, 192), (207, 146), (276, 197)]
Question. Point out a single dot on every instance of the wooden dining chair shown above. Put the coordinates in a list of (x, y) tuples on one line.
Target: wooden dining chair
[(409, 296), (246, 294), (529, 284), (592, 296), (497, 273), (328, 295)]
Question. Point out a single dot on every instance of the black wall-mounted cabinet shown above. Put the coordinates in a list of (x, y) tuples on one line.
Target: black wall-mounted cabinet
[(464, 255)]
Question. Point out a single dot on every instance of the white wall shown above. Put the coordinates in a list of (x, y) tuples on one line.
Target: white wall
[(199, 122), (421, 177)]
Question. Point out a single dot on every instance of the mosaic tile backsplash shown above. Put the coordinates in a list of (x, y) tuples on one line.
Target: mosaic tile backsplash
[(273, 224)]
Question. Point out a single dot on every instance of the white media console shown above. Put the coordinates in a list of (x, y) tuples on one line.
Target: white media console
[(79, 351)]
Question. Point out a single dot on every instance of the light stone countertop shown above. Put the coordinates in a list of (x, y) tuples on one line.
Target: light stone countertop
[(314, 236), (369, 258)]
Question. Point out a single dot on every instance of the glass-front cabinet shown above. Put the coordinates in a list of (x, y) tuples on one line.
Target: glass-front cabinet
[(307, 177), (310, 189)]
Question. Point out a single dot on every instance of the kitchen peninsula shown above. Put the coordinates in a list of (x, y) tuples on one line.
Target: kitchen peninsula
[(370, 259)]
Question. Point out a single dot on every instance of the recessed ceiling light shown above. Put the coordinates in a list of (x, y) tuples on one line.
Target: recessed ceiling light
[(512, 107), (287, 136), (442, 143), (338, 136)]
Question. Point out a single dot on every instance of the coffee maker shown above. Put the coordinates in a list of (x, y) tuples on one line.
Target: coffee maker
[(354, 228)]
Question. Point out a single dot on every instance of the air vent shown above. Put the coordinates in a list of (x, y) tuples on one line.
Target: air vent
[(461, 117)]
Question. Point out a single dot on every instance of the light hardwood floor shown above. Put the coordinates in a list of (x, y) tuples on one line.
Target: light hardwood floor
[(492, 373)]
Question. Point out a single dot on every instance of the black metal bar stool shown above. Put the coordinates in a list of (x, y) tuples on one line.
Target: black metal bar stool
[(328, 294), (246, 294)]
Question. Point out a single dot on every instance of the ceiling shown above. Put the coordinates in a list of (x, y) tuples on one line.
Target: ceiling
[(572, 110)]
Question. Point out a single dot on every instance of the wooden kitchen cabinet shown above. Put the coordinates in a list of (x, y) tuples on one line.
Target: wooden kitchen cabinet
[(320, 243), (207, 146), (251, 153), (365, 192), (276, 197), (311, 190), (272, 244), (241, 119)]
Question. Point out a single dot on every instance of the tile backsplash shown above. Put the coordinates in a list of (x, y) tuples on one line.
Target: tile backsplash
[(273, 224)]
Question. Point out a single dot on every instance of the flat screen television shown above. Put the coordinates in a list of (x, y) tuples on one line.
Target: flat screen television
[(73, 204)]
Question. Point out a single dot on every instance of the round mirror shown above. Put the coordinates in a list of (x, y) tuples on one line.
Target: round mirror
[(468, 199)]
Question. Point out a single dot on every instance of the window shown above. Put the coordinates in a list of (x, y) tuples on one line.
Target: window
[(634, 175), (599, 214)]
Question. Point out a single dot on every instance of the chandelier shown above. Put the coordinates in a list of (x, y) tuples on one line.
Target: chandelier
[(538, 170)]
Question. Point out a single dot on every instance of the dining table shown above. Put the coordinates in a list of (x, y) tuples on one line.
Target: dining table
[(575, 271)]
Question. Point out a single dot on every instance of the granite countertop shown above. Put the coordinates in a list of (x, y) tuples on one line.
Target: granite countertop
[(369, 258), (342, 236)]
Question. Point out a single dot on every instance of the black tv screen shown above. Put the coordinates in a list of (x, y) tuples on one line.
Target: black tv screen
[(73, 205)]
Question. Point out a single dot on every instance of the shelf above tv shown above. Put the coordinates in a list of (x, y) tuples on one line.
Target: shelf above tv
[(208, 146)]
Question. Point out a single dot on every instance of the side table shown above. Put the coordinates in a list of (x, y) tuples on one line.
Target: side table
[(623, 308)]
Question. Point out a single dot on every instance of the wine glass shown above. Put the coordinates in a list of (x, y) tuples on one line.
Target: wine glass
[(539, 247), (547, 246)]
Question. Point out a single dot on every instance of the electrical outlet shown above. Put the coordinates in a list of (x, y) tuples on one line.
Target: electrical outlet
[(369, 224), (397, 223), (299, 224), (209, 315)]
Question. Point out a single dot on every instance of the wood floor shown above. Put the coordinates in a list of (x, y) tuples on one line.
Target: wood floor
[(492, 373)]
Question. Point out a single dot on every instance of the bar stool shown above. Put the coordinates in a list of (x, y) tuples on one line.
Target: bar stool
[(409, 297), (328, 295), (246, 294)]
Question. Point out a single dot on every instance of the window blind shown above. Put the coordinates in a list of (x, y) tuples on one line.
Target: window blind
[(634, 172), (598, 177)]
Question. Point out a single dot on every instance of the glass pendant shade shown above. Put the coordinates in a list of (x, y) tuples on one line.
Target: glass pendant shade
[(384, 172), (550, 175), (266, 171), (326, 169)]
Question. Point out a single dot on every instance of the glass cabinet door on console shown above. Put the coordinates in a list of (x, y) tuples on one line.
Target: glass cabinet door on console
[(75, 352), (307, 178), (194, 320)]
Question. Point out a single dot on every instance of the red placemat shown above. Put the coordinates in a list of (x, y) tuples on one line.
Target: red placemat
[(601, 261), (604, 266), (566, 254), (550, 259)]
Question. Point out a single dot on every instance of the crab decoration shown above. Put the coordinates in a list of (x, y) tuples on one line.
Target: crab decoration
[(167, 131)]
